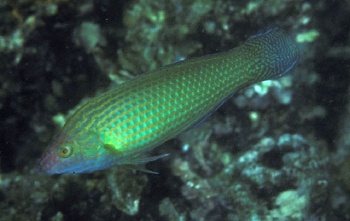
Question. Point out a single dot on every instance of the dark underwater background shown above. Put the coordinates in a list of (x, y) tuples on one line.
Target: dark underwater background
[(277, 150)]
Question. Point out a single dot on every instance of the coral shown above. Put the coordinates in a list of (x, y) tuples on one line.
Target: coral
[(167, 209), (289, 204), (126, 192), (156, 32), (268, 170), (309, 36)]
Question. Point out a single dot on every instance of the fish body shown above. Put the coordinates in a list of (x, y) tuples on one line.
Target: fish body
[(118, 126)]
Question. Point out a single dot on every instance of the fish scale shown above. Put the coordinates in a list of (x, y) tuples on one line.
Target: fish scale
[(118, 126)]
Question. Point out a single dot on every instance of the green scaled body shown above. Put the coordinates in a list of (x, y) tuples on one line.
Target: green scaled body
[(116, 127)]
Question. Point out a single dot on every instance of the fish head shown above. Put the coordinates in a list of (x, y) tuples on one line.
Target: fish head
[(80, 154)]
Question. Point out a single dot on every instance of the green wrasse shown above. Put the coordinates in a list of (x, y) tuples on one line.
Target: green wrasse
[(118, 126)]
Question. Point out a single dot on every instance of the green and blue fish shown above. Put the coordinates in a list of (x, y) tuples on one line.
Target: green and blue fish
[(119, 126)]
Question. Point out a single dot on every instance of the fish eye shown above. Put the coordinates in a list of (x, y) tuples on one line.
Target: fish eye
[(65, 151)]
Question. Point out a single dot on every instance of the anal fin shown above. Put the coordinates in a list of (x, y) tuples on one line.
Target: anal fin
[(137, 163), (141, 160)]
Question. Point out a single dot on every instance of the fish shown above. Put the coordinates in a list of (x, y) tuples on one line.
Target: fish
[(120, 126)]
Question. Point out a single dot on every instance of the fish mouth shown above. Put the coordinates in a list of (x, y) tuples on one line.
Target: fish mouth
[(43, 168), (48, 162)]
